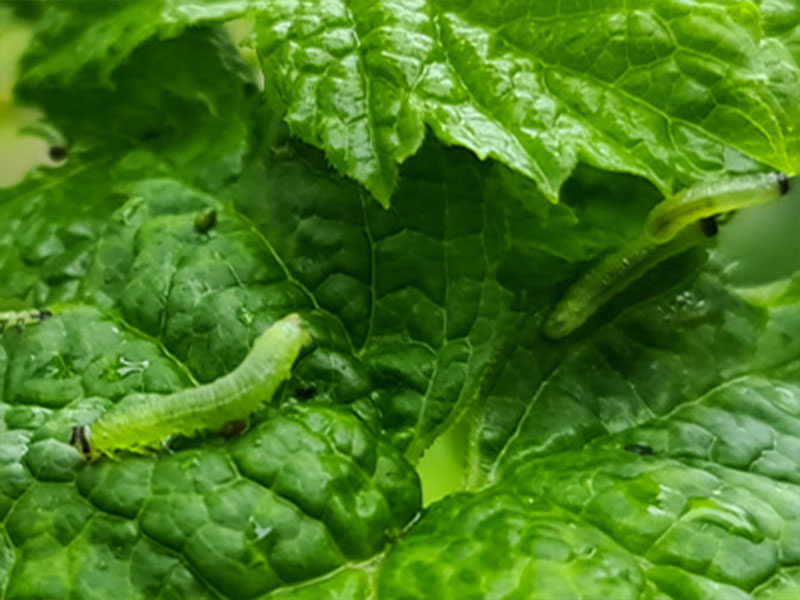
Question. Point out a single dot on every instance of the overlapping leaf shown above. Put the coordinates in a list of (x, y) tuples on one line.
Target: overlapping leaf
[(654, 454), (664, 466), (672, 91)]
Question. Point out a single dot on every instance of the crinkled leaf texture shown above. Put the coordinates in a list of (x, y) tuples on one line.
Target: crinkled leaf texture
[(658, 458), (146, 303), (672, 91), (655, 454)]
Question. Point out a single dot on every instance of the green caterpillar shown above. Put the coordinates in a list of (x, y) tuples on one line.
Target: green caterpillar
[(143, 422), (669, 230), (610, 276), (667, 219)]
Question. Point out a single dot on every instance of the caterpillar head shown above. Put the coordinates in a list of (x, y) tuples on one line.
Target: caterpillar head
[(81, 439)]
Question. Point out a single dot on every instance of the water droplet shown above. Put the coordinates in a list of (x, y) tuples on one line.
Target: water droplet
[(131, 366), (261, 531)]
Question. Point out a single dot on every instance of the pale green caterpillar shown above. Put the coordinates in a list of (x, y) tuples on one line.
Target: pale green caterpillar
[(21, 318), (610, 276), (143, 422), (667, 219), (669, 230)]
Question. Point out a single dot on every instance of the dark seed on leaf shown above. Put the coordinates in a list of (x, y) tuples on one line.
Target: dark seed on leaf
[(205, 221), (305, 392), (234, 428)]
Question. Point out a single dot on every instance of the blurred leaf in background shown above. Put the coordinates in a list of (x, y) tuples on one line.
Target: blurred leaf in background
[(18, 152)]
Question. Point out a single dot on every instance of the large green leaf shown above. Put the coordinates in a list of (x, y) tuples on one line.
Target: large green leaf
[(407, 309), (672, 91), (666, 353), (659, 459), (143, 301), (653, 454), (157, 305)]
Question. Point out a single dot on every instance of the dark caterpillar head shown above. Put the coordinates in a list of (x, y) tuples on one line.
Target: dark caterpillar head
[(57, 153), (234, 428), (81, 438), (709, 226), (783, 183)]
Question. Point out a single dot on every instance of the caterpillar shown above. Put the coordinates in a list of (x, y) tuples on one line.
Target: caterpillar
[(610, 276), (667, 219), (21, 318), (140, 423), (668, 231)]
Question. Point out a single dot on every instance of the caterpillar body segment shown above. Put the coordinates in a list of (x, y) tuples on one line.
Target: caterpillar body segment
[(142, 422), (610, 276), (705, 200)]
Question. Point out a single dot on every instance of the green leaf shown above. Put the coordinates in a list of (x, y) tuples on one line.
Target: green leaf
[(674, 92), (666, 353), (144, 302), (153, 100), (425, 289), (659, 459), (537, 86), (305, 491), (652, 454), (404, 307), (174, 305), (782, 20)]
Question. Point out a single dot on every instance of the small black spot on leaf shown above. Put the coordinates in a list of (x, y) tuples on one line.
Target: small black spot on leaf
[(150, 135), (205, 221), (305, 392), (640, 449), (234, 428)]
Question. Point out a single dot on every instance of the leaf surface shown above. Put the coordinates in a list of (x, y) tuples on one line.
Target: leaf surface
[(652, 454), (674, 92), (646, 473)]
